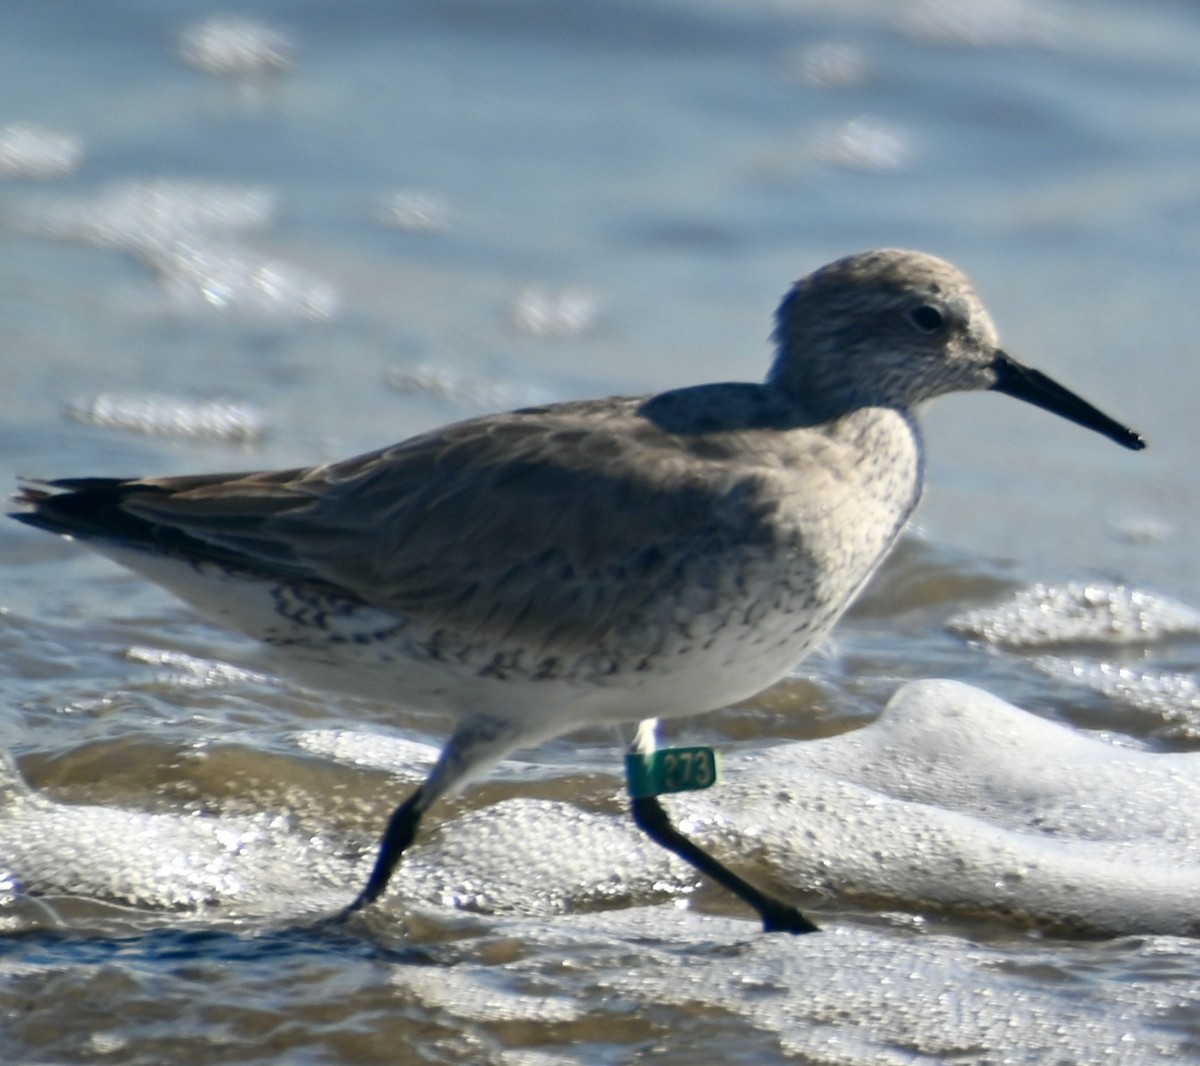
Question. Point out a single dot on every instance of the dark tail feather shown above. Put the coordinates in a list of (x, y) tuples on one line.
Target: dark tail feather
[(103, 510), (86, 508)]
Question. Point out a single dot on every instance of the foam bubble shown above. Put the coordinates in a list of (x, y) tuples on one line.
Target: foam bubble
[(141, 215), (863, 143), (980, 23), (160, 861), (1098, 613), (189, 234), (166, 416), (447, 991), (848, 997), (414, 211), (530, 856), (543, 312), (405, 758), (233, 279), (956, 800), (189, 671), (29, 151), (1171, 698), (408, 759), (232, 46)]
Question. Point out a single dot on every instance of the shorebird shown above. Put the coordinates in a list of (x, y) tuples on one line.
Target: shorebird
[(605, 561)]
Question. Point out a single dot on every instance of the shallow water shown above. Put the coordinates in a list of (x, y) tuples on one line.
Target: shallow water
[(445, 208)]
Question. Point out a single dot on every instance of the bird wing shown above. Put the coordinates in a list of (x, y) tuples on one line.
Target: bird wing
[(558, 522)]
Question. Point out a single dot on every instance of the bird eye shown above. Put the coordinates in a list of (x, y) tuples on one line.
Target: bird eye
[(926, 318)]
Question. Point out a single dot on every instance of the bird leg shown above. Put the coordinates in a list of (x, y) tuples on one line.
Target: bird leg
[(776, 915), (477, 744), (652, 819), (401, 829)]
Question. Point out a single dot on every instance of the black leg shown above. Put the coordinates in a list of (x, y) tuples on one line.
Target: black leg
[(475, 745), (776, 915), (401, 829)]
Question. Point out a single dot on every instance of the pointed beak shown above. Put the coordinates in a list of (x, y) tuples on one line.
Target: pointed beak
[(1032, 386)]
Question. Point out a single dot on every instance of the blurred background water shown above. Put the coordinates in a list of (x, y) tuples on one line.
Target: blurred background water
[(287, 231)]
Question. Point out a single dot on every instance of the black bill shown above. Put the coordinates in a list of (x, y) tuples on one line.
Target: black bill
[(1034, 387)]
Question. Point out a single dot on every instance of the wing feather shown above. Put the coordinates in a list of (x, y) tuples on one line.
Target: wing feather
[(559, 522)]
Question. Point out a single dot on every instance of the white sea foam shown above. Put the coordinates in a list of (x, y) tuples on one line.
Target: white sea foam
[(863, 143), (848, 997), (414, 211), (232, 46), (1095, 613), (168, 416), (233, 279), (981, 23), (191, 234), (529, 856), (1170, 698), (543, 312), (189, 671), (953, 801), (30, 151), (409, 759), (137, 215), (167, 861)]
